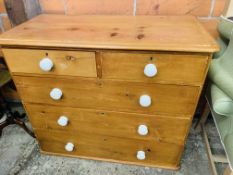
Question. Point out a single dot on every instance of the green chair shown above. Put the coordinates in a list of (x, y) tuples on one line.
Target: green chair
[(220, 95)]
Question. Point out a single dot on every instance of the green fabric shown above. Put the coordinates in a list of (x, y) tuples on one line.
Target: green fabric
[(221, 70), (5, 77), (223, 45), (224, 125), (225, 128), (222, 104), (221, 91), (225, 27)]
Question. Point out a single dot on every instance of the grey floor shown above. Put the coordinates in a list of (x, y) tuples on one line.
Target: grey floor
[(19, 154)]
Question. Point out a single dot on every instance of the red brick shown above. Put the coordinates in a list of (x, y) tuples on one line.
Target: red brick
[(52, 6), (173, 7), (100, 7), (2, 7), (219, 7)]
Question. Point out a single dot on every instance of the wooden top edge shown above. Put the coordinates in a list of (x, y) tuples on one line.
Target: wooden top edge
[(91, 32), (55, 44)]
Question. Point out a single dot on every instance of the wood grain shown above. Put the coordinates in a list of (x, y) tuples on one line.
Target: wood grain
[(109, 95), (158, 154), (174, 68), (119, 124), (169, 33), (67, 63)]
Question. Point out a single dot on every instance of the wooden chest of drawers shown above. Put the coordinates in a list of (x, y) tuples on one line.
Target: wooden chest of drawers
[(115, 88)]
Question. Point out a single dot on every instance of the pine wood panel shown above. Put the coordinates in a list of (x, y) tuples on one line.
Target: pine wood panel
[(110, 95), (170, 33), (158, 154), (68, 63), (172, 68), (161, 128)]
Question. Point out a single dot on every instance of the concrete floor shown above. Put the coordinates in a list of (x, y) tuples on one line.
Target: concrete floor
[(19, 154)]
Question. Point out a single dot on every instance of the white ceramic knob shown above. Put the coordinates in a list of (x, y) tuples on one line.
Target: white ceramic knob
[(46, 64), (63, 121), (150, 70), (56, 94), (142, 130), (141, 155), (145, 100), (69, 147)]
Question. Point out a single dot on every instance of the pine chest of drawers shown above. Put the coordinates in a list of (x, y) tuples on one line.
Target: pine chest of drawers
[(115, 88)]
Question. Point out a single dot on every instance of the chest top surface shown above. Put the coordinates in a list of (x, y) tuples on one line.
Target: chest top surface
[(155, 33)]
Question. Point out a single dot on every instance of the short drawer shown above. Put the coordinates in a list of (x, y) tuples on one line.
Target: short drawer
[(100, 147), (119, 124), (174, 68), (53, 62), (109, 95)]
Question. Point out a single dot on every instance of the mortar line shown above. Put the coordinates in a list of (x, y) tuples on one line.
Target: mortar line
[(1, 25), (65, 6), (208, 18), (134, 7), (212, 5)]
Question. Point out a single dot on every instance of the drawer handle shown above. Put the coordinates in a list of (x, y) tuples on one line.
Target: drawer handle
[(56, 94), (142, 130), (141, 155), (69, 147), (145, 100), (46, 64), (150, 70), (63, 121)]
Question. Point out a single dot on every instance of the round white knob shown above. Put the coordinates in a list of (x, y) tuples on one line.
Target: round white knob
[(69, 147), (142, 130), (150, 70), (145, 100), (63, 121), (141, 155), (46, 64), (56, 94)]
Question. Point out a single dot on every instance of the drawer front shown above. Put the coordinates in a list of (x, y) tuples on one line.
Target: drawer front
[(171, 67), (73, 63), (110, 95), (159, 128), (158, 154)]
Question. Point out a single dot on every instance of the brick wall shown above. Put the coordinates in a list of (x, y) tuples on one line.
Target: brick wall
[(200, 8)]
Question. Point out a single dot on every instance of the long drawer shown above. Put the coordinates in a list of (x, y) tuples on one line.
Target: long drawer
[(173, 68), (65, 63), (158, 154), (110, 95), (127, 125)]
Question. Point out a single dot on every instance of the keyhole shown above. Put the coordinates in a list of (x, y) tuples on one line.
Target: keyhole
[(70, 58)]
